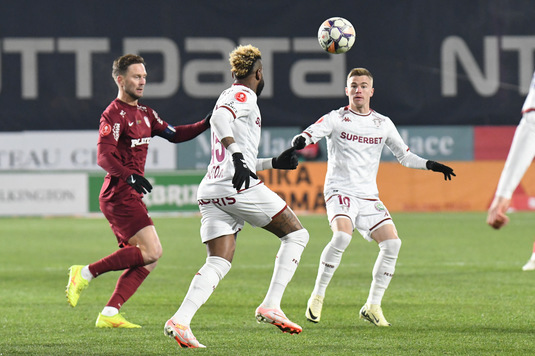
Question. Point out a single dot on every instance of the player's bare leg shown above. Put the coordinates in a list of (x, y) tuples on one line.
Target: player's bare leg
[(294, 239)]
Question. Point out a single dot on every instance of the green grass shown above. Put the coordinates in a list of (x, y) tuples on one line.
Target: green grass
[(458, 290)]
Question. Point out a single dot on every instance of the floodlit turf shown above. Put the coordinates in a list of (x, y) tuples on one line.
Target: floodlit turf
[(458, 290)]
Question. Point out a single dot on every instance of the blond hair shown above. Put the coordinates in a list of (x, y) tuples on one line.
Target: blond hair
[(359, 71), (242, 60)]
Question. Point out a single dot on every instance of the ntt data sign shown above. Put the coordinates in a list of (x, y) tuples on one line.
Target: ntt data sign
[(469, 67)]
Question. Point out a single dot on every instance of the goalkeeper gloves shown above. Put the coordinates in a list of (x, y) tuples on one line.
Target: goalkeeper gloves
[(286, 160), (439, 167), (139, 183), (242, 173)]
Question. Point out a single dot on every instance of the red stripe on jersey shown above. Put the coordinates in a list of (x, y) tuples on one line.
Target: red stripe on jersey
[(528, 110)]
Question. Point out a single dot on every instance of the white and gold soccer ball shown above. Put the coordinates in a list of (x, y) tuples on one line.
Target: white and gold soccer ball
[(336, 35)]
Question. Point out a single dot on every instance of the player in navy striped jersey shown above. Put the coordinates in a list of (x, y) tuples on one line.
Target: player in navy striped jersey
[(355, 137), (518, 160), (126, 128)]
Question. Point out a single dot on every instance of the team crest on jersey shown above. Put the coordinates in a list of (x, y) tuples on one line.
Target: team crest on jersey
[(241, 97), (116, 131), (105, 130), (147, 122), (378, 121)]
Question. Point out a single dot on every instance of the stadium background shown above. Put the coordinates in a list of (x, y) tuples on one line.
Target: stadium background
[(451, 75)]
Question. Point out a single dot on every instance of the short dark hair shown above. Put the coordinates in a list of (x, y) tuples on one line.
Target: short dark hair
[(121, 64)]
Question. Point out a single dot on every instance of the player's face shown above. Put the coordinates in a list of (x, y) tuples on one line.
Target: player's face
[(134, 81), (359, 90)]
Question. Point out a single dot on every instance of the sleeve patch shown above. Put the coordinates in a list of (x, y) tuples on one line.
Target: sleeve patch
[(241, 97), (105, 130)]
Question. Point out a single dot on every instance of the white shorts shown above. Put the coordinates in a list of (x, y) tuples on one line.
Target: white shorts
[(367, 215), (257, 205)]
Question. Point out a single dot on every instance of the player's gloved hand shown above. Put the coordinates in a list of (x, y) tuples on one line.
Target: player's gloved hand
[(299, 142), (242, 173), (207, 118), (286, 160), (439, 167), (139, 183)]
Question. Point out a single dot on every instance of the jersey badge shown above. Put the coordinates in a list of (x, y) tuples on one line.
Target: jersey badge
[(346, 119), (105, 130), (378, 121), (241, 97), (147, 122)]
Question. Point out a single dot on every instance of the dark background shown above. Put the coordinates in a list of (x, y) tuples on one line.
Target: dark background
[(398, 41)]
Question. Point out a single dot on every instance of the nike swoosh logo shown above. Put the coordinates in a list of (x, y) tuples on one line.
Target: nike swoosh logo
[(130, 123), (312, 316)]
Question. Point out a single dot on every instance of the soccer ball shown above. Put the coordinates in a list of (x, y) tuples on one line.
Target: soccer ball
[(336, 35)]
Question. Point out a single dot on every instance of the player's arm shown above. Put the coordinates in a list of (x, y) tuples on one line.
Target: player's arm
[(315, 132), (221, 125), (286, 160), (518, 160), (184, 133), (410, 160)]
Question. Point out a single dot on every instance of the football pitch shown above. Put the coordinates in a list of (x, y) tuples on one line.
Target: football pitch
[(458, 290)]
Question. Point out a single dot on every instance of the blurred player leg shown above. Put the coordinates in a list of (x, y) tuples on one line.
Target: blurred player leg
[(530, 265)]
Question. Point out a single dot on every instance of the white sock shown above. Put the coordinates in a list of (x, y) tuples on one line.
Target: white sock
[(383, 270), (109, 311), (286, 262), (86, 274), (201, 288), (532, 256), (330, 260)]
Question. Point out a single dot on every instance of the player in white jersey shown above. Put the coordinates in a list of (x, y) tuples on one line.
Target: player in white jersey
[(355, 137), (518, 160), (231, 193)]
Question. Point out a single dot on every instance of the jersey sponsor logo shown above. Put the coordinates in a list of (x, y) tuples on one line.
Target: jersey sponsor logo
[(105, 130), (116, 131), (147, 122), (241, 97), (140, 141), (361, 139), (218, 201)]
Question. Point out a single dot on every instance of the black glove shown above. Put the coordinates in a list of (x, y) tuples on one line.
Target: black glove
[(299, 142), (439, 167), (139, 183), (242, 173), (286, 160), (207, 118)]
